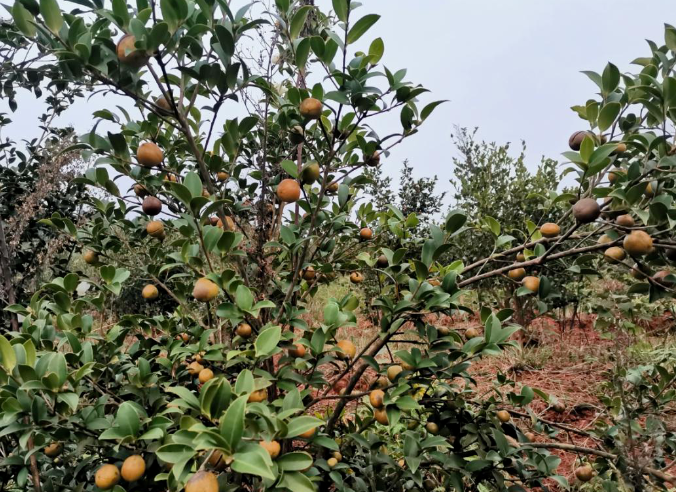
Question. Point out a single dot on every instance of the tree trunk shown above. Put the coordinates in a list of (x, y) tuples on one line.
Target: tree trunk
[(6, 271)]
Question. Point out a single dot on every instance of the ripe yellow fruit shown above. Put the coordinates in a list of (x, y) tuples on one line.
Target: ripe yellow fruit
[(150, 292), (381, 416), (243, 330), (205, 290), (621, 148), (222, 176), (202, 481), (615, 254), (149, 155), (258, 396), (195, 368), (348, 349), (332, 462), (393, 372), (298, 350), (171, 178), (520, 257), (365, 234), (517, 274), (638, 243), (332, 187), (90, 257), (54, 449), (229, 223), (288, 191), (614, 176), (471, 333), (529, 436), (503, 416), (625, 220), (133, 468), (309, 273), (205, 375), (531, 283), (356, 278), (550, 229), (310, 173), (107, 477), (272, 447), (155, 229), (586, 210), (584, 473), (337, 455), (605, 239), (648, 190), (128, 54), (311, 108), (432, 428), (376, 398), (382, 382), (308, 433), (162, 103)]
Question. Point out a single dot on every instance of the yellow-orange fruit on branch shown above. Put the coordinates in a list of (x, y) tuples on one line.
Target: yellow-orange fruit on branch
[(376, 398), (472, 333), (365, 234), (348, 349), (381, 416), (107, 477), (517, 274), (150, 292), (272, 447), (503, 416), (584, 473), (128, 54), (531, 283), (54, 449), (310, 173), (309, 273), (162, 103), (155, 228), (258, 396), (625, 220), (149, 155), (90, 257), (586, 210), (194, 368), (332, 187), (615, 254), (205, 375), (393, 372), (222, 176), (550, 229), (133, 468), (638, 243), (202, 481), (288, 191), (311, 108), (298, 350), (308, 433), (243, 330), (205, 290), (356, 278)]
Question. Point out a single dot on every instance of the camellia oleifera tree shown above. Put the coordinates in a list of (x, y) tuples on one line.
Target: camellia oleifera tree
[(240, 221)]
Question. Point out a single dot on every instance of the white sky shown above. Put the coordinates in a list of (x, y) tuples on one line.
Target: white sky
[(510, 67)]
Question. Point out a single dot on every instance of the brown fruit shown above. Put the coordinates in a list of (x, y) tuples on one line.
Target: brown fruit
[(205, 375), (194, 368), (140, 190), (503, 416), (202, 481), (648, 190), (107, 477), (151, 205), (243, 330), (376, 398), (614, 176), (531, 283), (229, 223), (372, 160), (149, 155), (222, 176), (584, 473), (90, 257), (520, 257), (162, 103), (393, 372), (559, 407), (288, 191), (575, 140), (434, 282), (660, 277), (615, 254), (258, 396), (382, 262), (155, 228), (310, 173), (348, 349), (217, 460), (638, 243), (356, 278), (365, 234), (443, 330), (604, 239), (529, 436), (309, 273), (381, 416), (205, 290), (332, 462), (432, 428), (133, 468), (550, 229), (517, 274), (184, 336), (472, 333), (382, 382), (128, 54), (54, 449), (311, 108), (150, 292), (272, 447), (586, 210), (308, 433), (298, 350), (332, 187), (625, 220)]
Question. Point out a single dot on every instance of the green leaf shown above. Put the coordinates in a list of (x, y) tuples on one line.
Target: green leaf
[(52, 14), (427, 110), (610, 79), (361, 26), (174, 12), (670, 37), (302, 424), (127, 419), (244, 298), (341, 8), (23, 19), (8, 355), (376, 50), (267, 341), (302, 52), (232, 423), (290, 167), (186, 395), (253, 460), (295, 461), (298, 482), (298, 21), (608, 115), (193, 182)]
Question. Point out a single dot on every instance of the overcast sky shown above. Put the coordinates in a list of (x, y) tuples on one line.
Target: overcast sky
[(511, 68)]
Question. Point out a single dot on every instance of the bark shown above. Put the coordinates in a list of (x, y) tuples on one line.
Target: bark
[(6, 271)]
